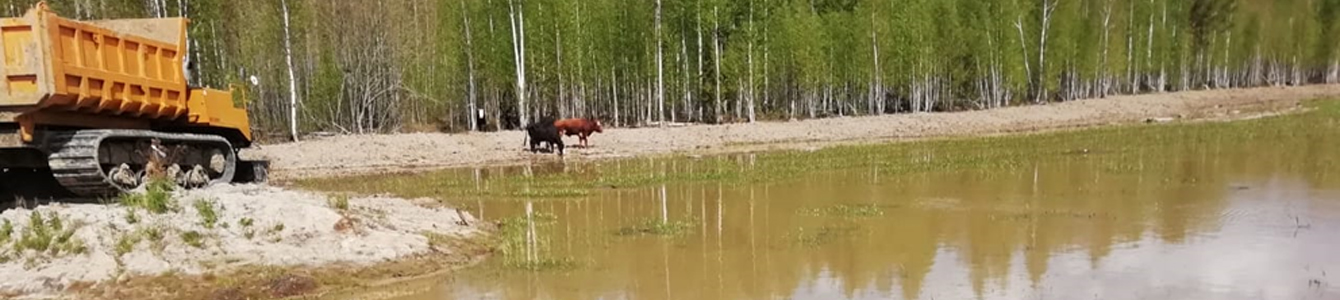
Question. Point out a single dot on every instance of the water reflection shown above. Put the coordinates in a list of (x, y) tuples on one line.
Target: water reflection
[(1213, 220)]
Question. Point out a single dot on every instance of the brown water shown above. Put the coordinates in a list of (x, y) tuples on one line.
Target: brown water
[(1212, 219)]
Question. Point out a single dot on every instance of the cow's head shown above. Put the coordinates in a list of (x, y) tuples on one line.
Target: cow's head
[(597, 126)]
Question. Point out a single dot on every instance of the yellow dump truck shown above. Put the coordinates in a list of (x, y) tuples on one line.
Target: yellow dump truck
[(100, 102)]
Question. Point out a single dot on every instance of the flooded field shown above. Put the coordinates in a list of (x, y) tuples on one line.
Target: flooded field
[(1242, 210)]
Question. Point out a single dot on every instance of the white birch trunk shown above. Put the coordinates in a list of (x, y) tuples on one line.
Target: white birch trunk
[(292, 80), (751, 61), (473, 112), (877, 90), (660, 69), (1023, 46), (1048, 7), (716, 51), (519, 55), (1149, 49)]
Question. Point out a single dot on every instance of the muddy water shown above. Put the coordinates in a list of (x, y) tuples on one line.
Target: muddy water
[(1205, 219)]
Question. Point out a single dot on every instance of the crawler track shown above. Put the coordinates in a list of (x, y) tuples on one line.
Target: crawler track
[(80, 159)]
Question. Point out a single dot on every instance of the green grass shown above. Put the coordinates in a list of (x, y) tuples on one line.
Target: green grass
[(152, 233), (512, 244), (339, 202), (156, 198), (845, 211), (657, 227), (208, 211), (544, 264), (6, 232), (49, 234), (193, 238), (125, 243), (131, 216)]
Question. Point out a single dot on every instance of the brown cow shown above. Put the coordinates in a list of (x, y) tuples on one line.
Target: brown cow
[(580, 127)]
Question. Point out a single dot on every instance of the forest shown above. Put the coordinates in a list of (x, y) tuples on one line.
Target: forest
[(373, 66)]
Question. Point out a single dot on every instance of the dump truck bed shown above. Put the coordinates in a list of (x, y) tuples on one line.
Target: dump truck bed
[(122, 74), (120, 67)]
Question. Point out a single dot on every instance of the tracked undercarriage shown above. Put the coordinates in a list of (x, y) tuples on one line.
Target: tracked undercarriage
[(100, 106), (104, 162)]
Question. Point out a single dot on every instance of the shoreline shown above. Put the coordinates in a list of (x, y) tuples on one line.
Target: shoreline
[(230, 242), (347, 155)]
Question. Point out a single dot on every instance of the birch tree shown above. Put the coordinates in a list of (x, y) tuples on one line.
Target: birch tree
[(292, 80)]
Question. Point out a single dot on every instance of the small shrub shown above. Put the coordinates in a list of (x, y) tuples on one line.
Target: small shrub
[(152, 233), (45, 235), (37, 236), (193, 238), (157, 197), (6, 232), (246, 222), (208, 210), (339, 202), (131, 216), (278, 228), (73, 246), (126, 243)]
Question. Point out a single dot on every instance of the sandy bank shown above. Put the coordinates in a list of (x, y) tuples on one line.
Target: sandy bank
[(214, 231)]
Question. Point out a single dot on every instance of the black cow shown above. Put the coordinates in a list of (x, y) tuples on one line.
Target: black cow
[(543, 130)]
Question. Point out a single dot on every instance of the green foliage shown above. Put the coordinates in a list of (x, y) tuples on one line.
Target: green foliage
[(208, 211), (48, 234), (157, 197), (131, 216), (152, 233), (658, 227), (519, 251), (125, 243), (339, 202), (6, 232), (193, 238)]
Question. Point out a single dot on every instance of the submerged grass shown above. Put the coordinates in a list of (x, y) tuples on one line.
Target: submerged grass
[(813, 237), (658, 227), (845, 211), (1127, 148), (523, 247)]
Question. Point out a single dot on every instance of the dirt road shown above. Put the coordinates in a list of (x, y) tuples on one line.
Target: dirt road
[(362, 154)]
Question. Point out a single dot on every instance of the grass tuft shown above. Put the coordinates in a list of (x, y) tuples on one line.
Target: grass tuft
[(193, 238), (208, 211), (658, 227), (156, 198), (820, 236), (845, 211), (339, 202)]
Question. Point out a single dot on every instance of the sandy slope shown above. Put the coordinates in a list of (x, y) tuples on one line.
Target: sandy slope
[(256, 225), (361, 154)]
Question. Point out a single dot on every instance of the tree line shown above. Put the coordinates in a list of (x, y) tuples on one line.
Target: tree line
[(366, 66)]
